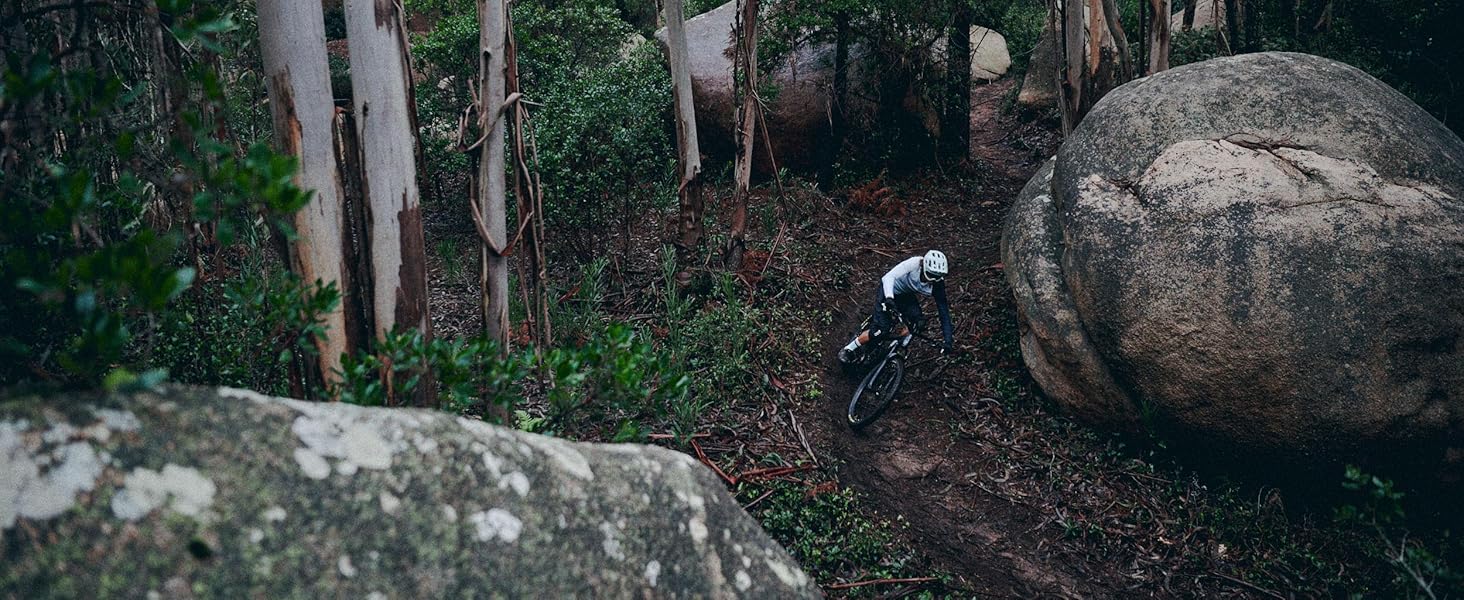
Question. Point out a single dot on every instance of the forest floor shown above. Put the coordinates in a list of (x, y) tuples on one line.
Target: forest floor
[(971, 485)]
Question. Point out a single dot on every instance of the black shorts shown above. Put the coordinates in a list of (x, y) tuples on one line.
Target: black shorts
[(907, 304)]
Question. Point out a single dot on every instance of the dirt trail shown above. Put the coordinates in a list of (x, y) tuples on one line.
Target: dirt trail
[(910, 462)]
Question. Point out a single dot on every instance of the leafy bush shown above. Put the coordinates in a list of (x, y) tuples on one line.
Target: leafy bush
[(599, 119), (830, 535), (472, 376), (90, 251), (253, 331), (604, 150)]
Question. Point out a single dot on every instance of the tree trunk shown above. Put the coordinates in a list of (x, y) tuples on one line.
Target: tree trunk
[(292, 41), (745, 64), (1232, 26), (1159, 36), (838, 103), (491, 194), (530, 195), (1189, 14), (1096, 25), (955, 132), (1073, 78), (386, 120), (689, 154), (1120, 39)]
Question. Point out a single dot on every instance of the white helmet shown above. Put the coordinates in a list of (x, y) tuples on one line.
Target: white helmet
[(934, 265)]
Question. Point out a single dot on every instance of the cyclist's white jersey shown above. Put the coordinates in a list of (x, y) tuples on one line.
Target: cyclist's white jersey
[(904, 279)]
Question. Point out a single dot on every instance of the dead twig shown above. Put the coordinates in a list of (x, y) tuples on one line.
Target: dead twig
[(708, 462), (1248, 585), (845, 586)]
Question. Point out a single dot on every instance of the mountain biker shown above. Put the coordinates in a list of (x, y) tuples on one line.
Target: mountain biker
[(899, 290)]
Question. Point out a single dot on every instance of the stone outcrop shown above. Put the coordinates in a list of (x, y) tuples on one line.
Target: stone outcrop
[(798, 117), (989, 56), (225, 493), (1263, 255)]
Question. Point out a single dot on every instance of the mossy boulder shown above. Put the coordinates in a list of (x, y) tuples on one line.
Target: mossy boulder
[(1262, 255), (226, 493)]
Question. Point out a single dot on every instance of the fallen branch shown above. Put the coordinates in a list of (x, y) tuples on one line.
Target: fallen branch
[(845, 586), (708, 462), (804, 440), (1248, 585), (764, 496)]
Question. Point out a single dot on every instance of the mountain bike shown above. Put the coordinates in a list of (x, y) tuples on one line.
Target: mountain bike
[(885, 360)]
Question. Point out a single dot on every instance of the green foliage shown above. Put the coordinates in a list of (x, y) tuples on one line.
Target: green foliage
[(1021, 24), (249, 331), (472, 376), (604, 151), (1418, 569), (830, 534), (599, 120), (616, 377), (83, 262)]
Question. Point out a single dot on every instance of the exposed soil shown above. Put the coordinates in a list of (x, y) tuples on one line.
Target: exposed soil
[(910, 462), (1001, 497)]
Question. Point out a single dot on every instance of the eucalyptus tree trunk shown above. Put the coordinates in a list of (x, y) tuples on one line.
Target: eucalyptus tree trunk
[(386, 122), (689, 154), (529, 192), (292, 41), (1096, 26), (1120, 39), (1072, 78), (745, 32), (1159, 36), (491, 194)]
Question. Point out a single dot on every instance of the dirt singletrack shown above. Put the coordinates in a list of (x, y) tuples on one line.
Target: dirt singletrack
[(911, 462)]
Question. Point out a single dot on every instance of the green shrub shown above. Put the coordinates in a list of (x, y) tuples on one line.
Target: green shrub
[(472, 376), (91, 254), (604, 151), (246, 332)]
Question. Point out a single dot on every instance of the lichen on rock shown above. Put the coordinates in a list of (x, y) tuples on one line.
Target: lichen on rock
[(303, 499)]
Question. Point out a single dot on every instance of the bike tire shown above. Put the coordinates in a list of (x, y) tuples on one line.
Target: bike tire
[(876, 392)]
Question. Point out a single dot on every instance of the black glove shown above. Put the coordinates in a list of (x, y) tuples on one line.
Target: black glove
[(888, 305)]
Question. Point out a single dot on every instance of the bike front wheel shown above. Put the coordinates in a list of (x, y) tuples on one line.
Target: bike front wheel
[(876, 392)]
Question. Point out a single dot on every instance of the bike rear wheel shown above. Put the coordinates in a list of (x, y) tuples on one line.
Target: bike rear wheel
[(876, 392)]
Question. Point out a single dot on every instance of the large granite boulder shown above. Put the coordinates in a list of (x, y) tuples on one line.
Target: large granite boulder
[(1261, 254), (1039, 84), (225, 493), (989, 56)]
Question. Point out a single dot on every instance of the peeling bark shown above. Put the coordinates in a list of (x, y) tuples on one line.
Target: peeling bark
[(385, 119), (1072, 77), (1120, 40), (292, 42), (689, 154), (529, 192), (1159, 36), (745, 32)]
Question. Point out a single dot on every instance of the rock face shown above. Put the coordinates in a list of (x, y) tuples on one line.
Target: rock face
[(1039, 85), (1207, 14), (799, 115), (1263, 254), (225, 493), (989, 56)]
